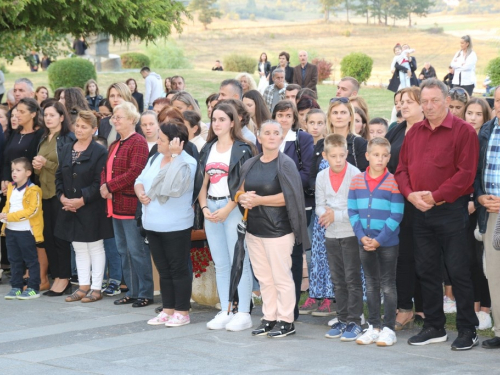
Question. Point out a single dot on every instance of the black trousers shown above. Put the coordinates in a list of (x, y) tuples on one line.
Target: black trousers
[(297, 264), (171, 253), (479, 280), (442, 232), (58, 251)]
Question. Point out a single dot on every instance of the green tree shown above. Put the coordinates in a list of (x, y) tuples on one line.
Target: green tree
[(328, 6), (417, 7), (206, 11), (43, 24), (362, 9)]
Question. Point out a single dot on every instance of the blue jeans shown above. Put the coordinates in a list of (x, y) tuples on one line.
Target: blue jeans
[(113, 261), (135, 257), (21, 249), (380, 273), (222, 238)]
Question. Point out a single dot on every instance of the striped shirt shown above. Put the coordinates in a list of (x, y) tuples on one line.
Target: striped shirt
[(492, 169), (378, 213)]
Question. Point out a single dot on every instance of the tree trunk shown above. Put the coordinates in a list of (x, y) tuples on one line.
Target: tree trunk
[(409, 19), (327, 14), (347, 9), (367, 18), (385, 19)]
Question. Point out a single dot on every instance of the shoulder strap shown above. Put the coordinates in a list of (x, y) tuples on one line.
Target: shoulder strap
[(153, 158), (297, 149)]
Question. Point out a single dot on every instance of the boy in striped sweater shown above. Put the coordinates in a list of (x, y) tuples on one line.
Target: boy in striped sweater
[(375, 209)]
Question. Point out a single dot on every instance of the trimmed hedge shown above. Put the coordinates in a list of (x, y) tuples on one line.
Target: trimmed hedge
[(240, 63), (134, 60), (357, 65), (493, 71), (74, 72)]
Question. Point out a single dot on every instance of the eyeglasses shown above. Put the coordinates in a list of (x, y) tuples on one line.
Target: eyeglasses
[(457, 93), (342, 100), (114, 118)]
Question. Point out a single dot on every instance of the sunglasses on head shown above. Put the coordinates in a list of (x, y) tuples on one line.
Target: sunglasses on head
[(457, 91), (342, 100)]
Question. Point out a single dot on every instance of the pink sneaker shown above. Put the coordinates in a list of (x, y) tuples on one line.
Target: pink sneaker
[(310, 305), (178, 320), (325, 309), (162, 318)]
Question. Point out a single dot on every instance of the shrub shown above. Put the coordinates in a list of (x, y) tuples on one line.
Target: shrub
[(324, 68), (240, 63), (493, 71), (357, 65), (74, 72), (435, 30), (168, 55), (3, 67), (134, 60)]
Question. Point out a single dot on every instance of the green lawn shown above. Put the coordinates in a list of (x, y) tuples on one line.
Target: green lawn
[(201, 83)]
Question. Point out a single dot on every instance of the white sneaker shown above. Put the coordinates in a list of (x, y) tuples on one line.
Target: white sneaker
[(449, 306), (220, 321), (484, 320), (387, 337), (331, 322), (369, 336), (240, 322)]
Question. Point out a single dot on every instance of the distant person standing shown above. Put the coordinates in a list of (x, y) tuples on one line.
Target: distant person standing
[(46, 61), (305, 74), (284, 63), (34, 61), (217, 66), (154, 88), (464, 66), (80, 46), (264, 67)]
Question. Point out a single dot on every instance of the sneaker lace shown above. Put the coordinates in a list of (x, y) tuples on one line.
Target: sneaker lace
[(325, 305), (309, 302)]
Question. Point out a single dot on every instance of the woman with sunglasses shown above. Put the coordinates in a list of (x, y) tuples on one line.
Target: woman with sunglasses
[(459, 98), (340, 120), (464, 66)]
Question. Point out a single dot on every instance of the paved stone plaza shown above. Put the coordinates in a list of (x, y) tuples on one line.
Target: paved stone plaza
[(50, 336)]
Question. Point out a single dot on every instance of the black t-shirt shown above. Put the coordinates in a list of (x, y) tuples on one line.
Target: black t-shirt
[(266, 221)]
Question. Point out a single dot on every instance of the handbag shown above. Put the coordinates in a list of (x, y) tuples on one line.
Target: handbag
[(198, 232)]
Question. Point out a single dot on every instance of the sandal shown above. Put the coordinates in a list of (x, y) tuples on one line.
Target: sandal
[(406, 325), (124, 301), (76, 296), (142, 302), (91, 297)]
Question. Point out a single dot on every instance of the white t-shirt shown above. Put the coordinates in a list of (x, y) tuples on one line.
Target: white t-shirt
[(16, 204), (218, 169), (151, 145)]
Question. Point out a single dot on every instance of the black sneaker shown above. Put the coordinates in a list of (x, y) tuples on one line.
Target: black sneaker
[(467, 338), (264, 327), (281, 329), (429, 335)]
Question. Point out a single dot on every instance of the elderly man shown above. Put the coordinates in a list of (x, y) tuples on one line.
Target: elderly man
[(437, 167), (284, 63), (23, 88), (275, 92), (347, 87), (487, 189), (428, 71), (230, 89), (305, 74)]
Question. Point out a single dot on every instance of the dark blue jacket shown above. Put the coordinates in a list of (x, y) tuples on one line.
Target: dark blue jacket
[(484, 137)]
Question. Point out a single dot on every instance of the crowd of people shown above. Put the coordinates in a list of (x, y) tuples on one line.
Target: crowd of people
[(402, 212)]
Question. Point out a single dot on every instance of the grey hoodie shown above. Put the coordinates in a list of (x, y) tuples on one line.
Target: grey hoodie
[(154, 89)]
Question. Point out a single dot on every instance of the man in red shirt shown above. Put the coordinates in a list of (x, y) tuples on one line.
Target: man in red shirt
[(437, 166)]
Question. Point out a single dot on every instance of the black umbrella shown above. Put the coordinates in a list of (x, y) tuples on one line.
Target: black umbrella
[(239, 257)]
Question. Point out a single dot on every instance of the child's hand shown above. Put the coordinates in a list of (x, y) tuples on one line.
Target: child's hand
[(365, 240), (375, 244), (327, 218), (392, 71), (3, 216)]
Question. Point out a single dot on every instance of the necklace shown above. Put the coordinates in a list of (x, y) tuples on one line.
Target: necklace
[(20, 139)]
